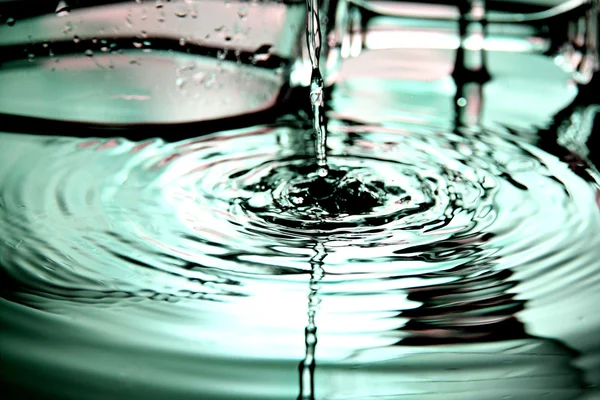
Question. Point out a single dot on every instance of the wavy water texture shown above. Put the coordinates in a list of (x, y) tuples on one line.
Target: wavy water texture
[(181, 270)]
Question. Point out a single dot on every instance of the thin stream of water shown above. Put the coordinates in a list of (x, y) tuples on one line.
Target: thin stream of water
[(313, 39), (308, 365)]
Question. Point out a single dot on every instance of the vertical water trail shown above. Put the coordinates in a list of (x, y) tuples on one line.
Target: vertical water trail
[(308, 364), (313, 39)]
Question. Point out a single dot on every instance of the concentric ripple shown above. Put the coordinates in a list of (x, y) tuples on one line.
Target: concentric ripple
[(426, 239), (246, 202)]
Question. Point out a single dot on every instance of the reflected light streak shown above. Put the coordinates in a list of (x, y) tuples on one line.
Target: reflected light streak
[(382, 40)]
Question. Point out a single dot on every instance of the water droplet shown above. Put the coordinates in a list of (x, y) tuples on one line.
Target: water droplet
[(10, 21), (316, 96), (179, 82), (62, 9), (137, 45), (144, 34), (89, 53), (461, 102), (209, 80), (243, 12), (76, 39), (263, 53), (182, 11), (182, 41), (30, 57)]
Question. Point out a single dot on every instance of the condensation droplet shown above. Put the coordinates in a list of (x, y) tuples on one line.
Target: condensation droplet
[(62, 9), (209, 80), (76, 39), (263, 53), (10, 21), (182, 11)]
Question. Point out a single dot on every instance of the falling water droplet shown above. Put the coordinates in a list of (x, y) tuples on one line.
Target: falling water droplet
[(62, 9)]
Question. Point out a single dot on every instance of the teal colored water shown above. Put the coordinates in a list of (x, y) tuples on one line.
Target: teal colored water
[(452, 251)]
